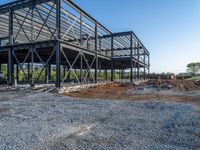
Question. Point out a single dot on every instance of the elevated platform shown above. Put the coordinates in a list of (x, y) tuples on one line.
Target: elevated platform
[(63, 42)]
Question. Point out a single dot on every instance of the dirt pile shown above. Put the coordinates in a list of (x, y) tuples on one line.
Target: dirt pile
[(174, 90), (182, 85)]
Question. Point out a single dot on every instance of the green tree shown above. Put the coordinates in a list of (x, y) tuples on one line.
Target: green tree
[(193, 68)]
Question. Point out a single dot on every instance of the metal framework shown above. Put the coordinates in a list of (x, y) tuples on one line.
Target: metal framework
[(57, 34)]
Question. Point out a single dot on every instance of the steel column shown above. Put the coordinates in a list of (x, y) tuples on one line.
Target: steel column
[(112, 46), (96, 52), (122, 74), (138, 56), (106, 74), (81, 43), (49, 69), (131, 46), (144, 67), (17, 73), (47, 74), (28, 65), (32, 66), (58, 46), (148, 66), (68, 76), (10, 52)]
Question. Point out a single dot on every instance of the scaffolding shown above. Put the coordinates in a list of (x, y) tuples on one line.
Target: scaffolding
[(59, 35)]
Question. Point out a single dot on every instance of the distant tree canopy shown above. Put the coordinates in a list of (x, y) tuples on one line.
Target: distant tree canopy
[(193, 68)]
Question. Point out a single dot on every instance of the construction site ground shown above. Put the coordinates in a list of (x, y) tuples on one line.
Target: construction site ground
[(148, 115), (172, 90)]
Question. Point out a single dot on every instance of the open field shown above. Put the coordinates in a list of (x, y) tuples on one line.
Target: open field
[(37, 120)]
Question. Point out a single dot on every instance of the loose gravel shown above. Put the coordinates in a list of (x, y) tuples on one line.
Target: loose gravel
[(31, 120)]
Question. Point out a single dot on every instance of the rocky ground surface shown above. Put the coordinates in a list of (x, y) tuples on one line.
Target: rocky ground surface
[(32, 119)]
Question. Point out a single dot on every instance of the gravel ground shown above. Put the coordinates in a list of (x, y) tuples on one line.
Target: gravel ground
[(30, 120), (165, 90)]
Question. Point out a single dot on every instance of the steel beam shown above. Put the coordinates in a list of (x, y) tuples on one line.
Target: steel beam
[(20, 4)]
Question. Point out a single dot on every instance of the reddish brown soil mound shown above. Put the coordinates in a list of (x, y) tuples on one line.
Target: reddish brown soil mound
[(119, 91)]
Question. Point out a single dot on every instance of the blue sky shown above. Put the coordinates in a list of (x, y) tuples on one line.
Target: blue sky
[(170, 29)]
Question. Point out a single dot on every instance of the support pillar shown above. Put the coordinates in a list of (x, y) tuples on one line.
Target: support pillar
[(17, 73), (68, 76), (64, 71), (32, 66), (112, 72), (106, 74), (122, 74), (131, 46), (138, 72), (28, 67), (148, 66), (81, 56), (58, 46), (10, 74), (47, 74), (49, 69), (138, 56), (112, 68), (96, 52)]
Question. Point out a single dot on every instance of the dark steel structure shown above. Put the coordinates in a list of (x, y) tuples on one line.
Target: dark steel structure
[(59, 35)]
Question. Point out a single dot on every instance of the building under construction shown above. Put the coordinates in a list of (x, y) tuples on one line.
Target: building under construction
[(58, 35)]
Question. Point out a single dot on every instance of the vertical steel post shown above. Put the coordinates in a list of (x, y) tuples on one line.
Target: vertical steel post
[(131, 46), (28, 65), (64, 71), (148, 66), (47, 73), (122, 74), (144, 66), (58, 46), (138, 66), (81, 43), (112, 70), (106, 74), (17, 73), (100, 68), (96, 52), (68, 76), (10, 52), (32, 66), (49, 69)]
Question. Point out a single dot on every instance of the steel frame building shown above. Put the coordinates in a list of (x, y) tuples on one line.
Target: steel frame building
[(59, 33)]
